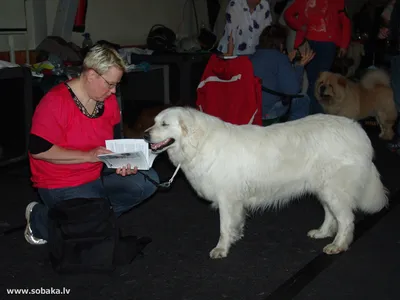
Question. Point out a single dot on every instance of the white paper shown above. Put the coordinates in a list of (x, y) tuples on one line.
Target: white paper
[(135, 152)]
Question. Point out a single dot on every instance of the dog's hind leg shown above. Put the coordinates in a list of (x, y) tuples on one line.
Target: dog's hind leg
[(232, 219), (328, 227), (338, 203)]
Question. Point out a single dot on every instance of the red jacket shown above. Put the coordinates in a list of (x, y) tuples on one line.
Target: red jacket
[(323, 20), (230, 91)]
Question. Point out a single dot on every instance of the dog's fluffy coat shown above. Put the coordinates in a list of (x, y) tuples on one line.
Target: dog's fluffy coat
[(371, 97), (247, 167)]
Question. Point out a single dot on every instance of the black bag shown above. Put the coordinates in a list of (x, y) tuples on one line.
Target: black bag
[(161, 38), (84, 238)]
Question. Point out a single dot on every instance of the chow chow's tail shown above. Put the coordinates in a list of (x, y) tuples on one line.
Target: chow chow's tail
[(375, 77)]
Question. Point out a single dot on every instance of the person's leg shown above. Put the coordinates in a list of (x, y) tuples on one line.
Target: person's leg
[(36, 231), (300, 108), (325, 53), (395, 81), (126, 192)]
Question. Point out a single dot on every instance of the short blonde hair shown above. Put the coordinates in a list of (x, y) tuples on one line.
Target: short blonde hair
[(101, 58)]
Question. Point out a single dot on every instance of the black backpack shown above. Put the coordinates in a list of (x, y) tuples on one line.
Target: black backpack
[(161, 39), (84, 238)]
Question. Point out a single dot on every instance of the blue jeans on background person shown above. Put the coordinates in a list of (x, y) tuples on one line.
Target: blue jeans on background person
[(123, 193), (300, 108), (325, 53), (394, 145), (395, 81)]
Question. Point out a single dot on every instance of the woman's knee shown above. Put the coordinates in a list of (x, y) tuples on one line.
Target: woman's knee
[(300, 108), (149, 187), (153, 175)]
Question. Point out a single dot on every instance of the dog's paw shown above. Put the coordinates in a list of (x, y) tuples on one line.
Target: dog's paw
[(218, 253), (318, 234), (334, 249)]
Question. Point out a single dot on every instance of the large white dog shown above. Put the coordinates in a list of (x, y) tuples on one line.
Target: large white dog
[(247, 167)]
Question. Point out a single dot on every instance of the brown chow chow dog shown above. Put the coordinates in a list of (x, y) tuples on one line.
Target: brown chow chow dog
[(371, 97)]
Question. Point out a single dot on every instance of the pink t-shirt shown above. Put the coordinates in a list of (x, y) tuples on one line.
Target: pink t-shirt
[(58, 119)]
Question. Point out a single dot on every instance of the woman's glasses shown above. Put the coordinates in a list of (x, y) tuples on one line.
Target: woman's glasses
[(110, 85)]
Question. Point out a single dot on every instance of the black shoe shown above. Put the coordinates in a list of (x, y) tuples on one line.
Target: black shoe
[(394, 145)]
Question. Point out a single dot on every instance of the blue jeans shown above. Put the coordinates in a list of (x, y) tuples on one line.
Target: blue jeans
[(123, 193), (300, 108), (395, 80), (325, 53)]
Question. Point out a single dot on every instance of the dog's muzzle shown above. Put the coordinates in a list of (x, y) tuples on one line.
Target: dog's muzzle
[(146, 136)]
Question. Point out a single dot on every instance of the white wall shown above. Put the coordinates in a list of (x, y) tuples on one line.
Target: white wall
[(124, 22)]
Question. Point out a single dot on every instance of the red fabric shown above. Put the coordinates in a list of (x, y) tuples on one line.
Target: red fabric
[(80, 17), (236, 101), (327, 21), (58, 119)]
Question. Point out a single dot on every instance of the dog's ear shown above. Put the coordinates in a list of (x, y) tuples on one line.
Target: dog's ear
[(185, 130), (342, 82)]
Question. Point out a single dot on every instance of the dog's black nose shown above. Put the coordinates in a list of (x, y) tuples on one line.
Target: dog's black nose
[(322, 90), (146, 136)]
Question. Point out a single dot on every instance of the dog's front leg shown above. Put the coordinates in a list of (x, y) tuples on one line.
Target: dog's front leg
[(232, 219)]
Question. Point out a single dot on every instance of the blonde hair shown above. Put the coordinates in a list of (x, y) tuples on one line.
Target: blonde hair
[(101, 58)]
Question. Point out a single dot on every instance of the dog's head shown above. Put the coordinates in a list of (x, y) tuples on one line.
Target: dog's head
[(330, 88), (171, 128)]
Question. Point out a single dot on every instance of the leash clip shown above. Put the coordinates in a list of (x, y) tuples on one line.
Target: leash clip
[(165, 184)]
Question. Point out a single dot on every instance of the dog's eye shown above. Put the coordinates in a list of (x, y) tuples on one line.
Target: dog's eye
[(164, 124)]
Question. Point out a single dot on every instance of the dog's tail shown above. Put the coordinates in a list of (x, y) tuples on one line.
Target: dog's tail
[(375, 195), (375, 77)]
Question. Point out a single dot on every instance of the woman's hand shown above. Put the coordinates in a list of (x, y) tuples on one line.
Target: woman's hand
[(342, 52), (306, 56), (383, 33), (127, 170), (231, 46), (92, 155), (292, 55)]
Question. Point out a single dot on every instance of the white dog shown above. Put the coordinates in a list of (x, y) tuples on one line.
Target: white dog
[(247, 167)]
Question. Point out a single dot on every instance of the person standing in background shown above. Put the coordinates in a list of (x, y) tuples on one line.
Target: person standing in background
[(326, 27), (280, 73), (245, 20), (391, 31)]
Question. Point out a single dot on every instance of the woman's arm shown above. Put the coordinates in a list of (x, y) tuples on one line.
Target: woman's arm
[(291, 16), (289, 77), (59, 155), (232, 22), (42, 149)]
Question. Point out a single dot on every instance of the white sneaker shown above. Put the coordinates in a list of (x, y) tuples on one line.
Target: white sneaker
[(28, 231)]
